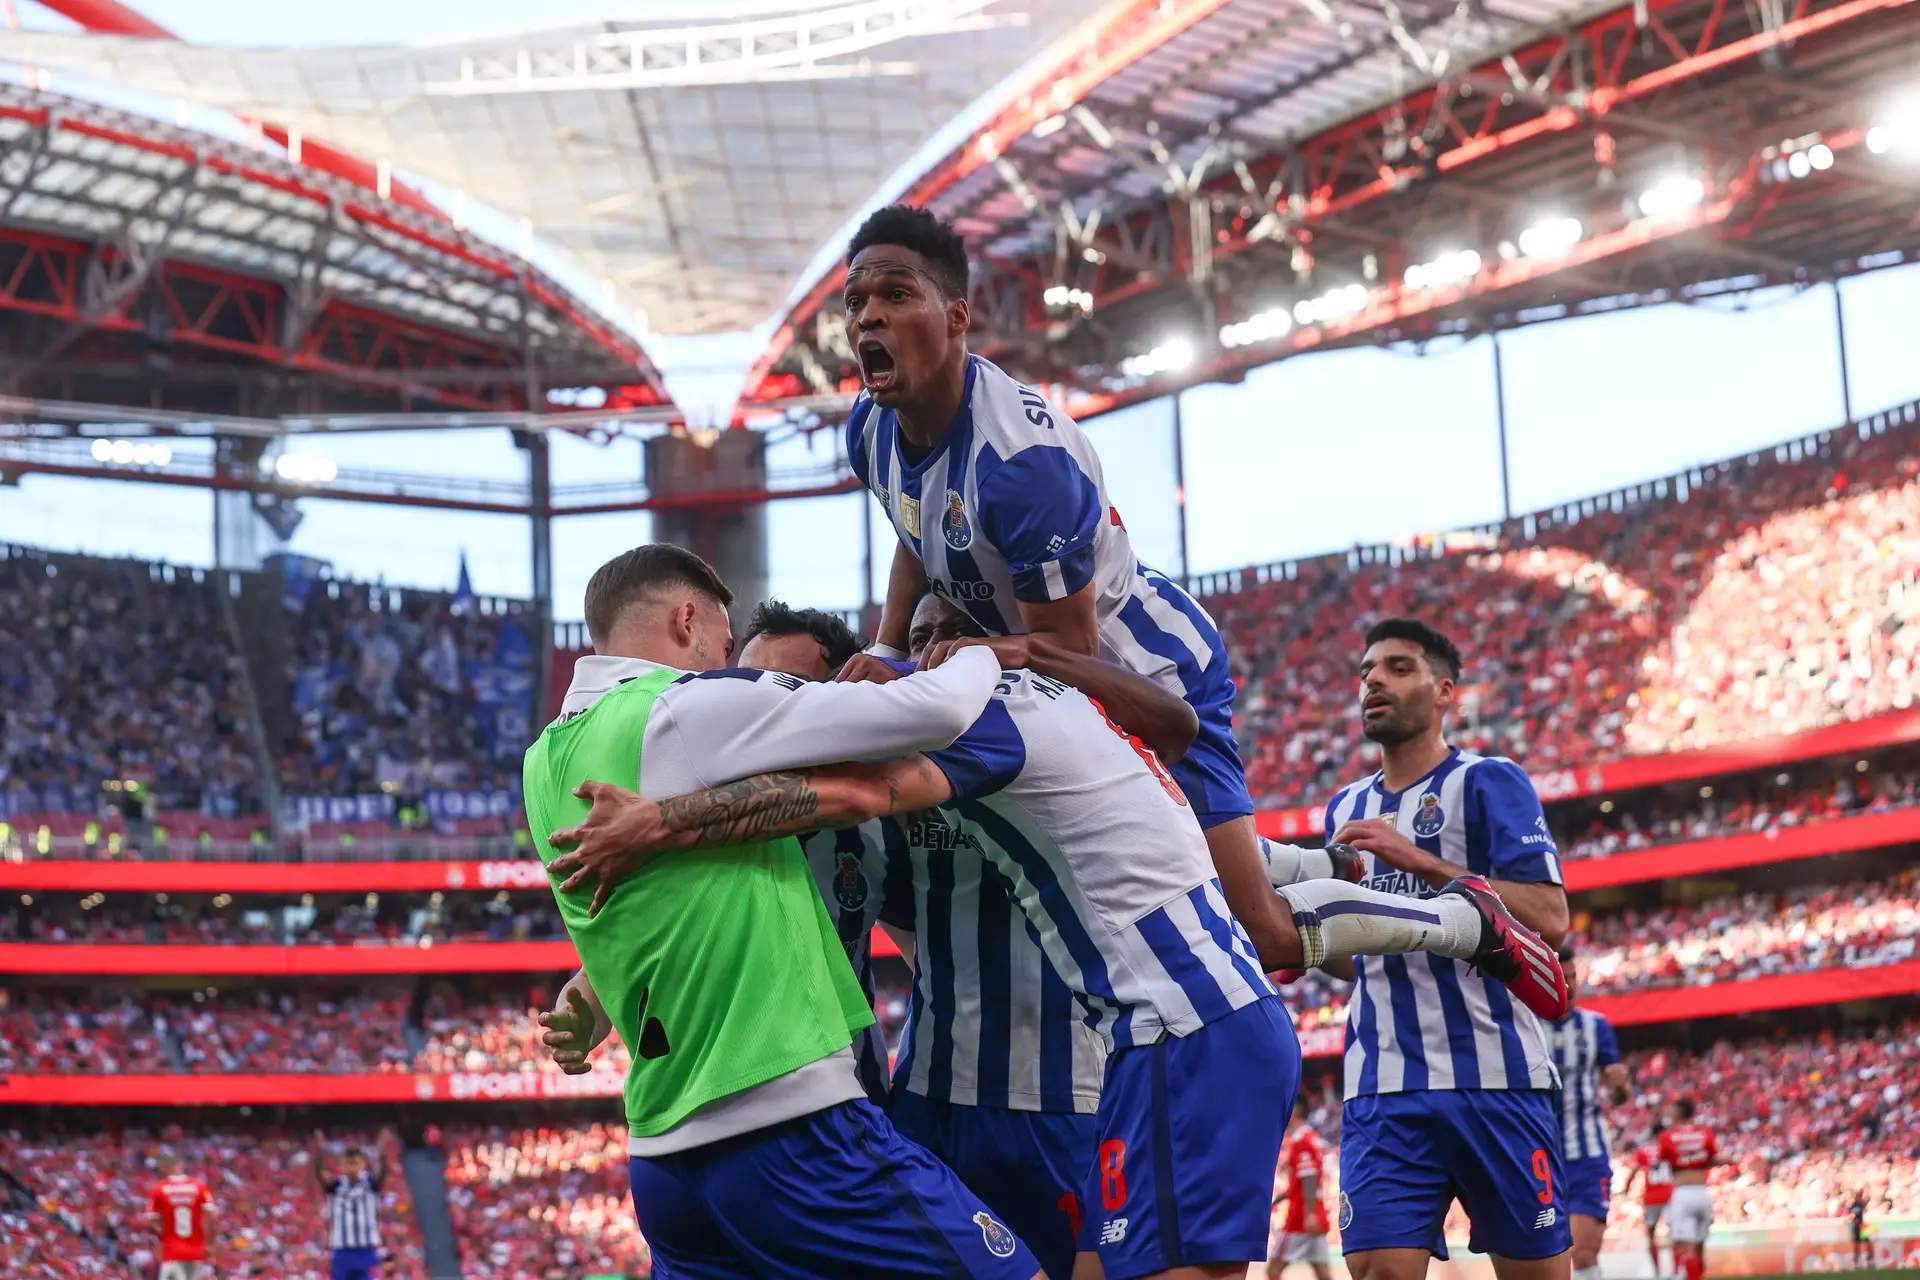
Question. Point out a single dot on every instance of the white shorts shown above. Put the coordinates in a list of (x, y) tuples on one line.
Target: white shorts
[(183, 1271), (1297, 1246), (1690, 1215), (1653, 1213)]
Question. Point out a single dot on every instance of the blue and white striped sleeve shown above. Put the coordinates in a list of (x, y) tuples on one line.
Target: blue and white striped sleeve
[(986, 757), (1605, 1044), (1042, 512), (1506, 823), (857, 439)]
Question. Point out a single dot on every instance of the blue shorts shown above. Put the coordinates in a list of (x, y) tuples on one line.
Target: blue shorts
[(1405, 1157), (355, 1264), (1027, 1165), (1190, 1132), (836, 1193), (1589, 1186)]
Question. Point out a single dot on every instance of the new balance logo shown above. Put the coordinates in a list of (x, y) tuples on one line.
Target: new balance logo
[(653, 1037), (1546, 1219), (1113, 1231)]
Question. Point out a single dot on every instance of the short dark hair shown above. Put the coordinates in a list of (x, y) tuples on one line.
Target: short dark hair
[(1566, 953), (919, 230), (830, 631), (633, 575), (1683, 1107), (1441, 653)]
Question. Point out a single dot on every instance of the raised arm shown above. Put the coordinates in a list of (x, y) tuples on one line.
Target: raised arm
[(623, 832), (1158, 718), (709, 731)]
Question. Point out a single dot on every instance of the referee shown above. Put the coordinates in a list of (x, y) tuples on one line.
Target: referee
[(353, 1211)]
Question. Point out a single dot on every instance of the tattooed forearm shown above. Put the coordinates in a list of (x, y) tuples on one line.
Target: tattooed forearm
[(758, 808)]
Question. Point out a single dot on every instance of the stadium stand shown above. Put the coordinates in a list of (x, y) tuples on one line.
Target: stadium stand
[(535, 1202)]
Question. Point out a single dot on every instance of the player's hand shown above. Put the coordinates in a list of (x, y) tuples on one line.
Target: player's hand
[(569, 1034), (1381, 839), (609, 845), (1014, 652), (865, 668)]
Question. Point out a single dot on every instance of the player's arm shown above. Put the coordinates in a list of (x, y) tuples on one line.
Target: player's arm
[(318, 1160), (1619, 1085), (1043, 512), (623, 831), (904, 582), (1613, 1072), (1163, 721), (1071, 623), (576, 1025)]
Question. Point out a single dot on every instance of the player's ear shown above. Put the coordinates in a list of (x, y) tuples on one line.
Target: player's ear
[(959, 317)]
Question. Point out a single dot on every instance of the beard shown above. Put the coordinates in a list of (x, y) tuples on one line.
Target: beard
[(1398, 725)]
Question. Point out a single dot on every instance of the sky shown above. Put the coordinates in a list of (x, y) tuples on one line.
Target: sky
[(1313, 454)]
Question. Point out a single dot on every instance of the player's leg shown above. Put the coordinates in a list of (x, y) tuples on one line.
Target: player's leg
[(1653, 1214), (1027, 1166), (1395, 1186), (1506, 1156), (680, 1229), (1689, 1219), (1190, 1132), (1589, 1195), (841, 1194)]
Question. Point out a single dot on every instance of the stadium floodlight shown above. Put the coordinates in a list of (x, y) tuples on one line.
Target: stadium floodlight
[(1672, 196), (1896, 130), (103, 450), (1060, 296), (1262, 326), (1451, 267), (305, 468), (1170, 356), (1551, 237), (1334, 304)]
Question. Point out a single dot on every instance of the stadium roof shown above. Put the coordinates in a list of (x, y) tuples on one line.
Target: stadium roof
[(1226, 182), (695, 157)]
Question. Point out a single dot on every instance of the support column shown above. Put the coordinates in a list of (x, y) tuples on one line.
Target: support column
[(1500, 418), (540, 516), (1840, 333), (1180, 487)]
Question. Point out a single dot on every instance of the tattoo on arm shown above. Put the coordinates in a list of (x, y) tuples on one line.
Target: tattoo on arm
[(742, 811)]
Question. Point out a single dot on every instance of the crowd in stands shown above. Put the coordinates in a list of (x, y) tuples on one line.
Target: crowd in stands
[(548, 1201), (1753, 935), (89, 1196), (1776, 598), (124, 671), (372, 920)]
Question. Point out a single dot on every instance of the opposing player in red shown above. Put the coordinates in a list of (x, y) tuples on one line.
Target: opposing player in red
[(1656, 1189), (179, 1209), (1691, 1151), (1301, 1233)]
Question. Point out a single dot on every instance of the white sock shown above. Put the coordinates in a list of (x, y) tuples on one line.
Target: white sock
[(1290, 864), (1338, 920), (1588, 1273)]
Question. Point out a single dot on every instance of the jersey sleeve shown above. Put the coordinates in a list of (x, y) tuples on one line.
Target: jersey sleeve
[(720, 726), (1664, 1149), (1042, 511), (1504, 819), (1606, 1045), (896, 882), (985, 758), (858, 423)]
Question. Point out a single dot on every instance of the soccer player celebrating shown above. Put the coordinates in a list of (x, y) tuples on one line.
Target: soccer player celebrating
[(1301, 1234), (353, 1211), (1000, 508), (180, 1208), (1202, 1060), (1588, 1058), (754, 1149), (1691, 1151), (1449, 1081)]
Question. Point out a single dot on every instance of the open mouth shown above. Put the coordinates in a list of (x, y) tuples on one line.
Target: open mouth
[(1378, 702), (877, 369)]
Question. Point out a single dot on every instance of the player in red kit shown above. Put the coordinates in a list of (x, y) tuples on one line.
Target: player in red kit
[(179, 1209), (1656, 1189), (1301, 1234), (1691, 1151)]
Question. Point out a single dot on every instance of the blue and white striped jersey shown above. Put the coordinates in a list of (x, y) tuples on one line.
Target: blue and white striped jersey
[(1012, 507), (990, 1022), (1423, 1021), (1582, 1045), (353, 1213), (1106, 860), (857, 868)]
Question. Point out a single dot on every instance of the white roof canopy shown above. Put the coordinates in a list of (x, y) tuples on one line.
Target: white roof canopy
[(697, 157)]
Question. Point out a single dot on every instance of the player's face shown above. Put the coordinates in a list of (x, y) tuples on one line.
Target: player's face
[(902, 328), (797, 655), (1400, 697), (355, 1165), (710, 638), (935, 619)]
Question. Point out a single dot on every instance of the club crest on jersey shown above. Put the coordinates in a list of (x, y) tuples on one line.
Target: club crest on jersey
[(1428, 818), (954, 526), (849, 886), (1346, 1211), (1000, 1241), (910, 515)]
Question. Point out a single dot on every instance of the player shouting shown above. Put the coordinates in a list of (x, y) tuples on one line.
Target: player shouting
[(1691, 1151), (180, 1210), (1113, 874), (1449, 1080), (1000, 508)]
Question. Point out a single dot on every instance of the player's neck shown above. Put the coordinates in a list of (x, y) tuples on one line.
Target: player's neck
[(924, 424), (1404, 763)]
